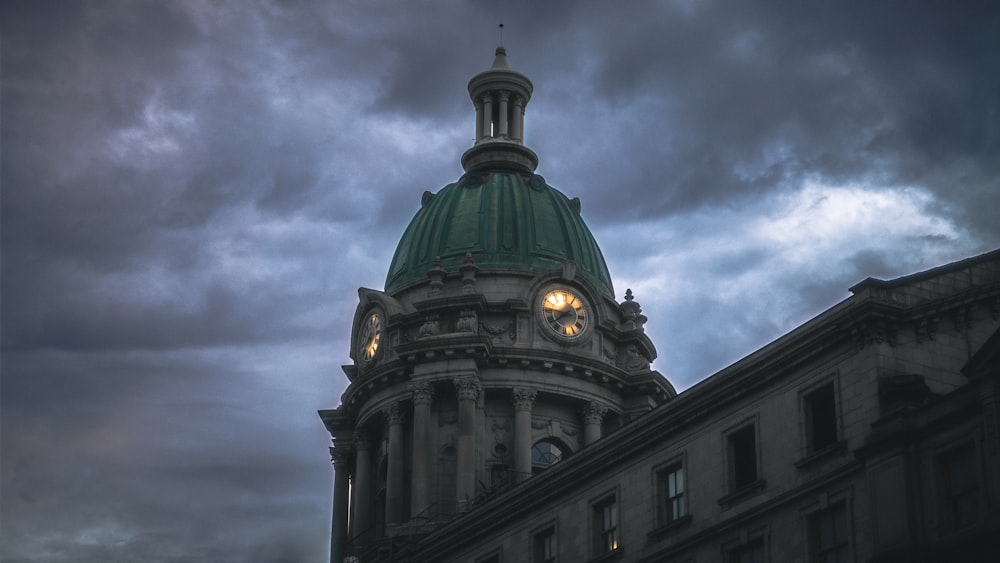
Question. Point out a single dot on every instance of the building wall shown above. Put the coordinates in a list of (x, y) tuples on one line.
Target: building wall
[(903, 407)]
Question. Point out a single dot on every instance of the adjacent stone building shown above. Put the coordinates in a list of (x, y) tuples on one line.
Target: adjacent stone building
[(501, 405)]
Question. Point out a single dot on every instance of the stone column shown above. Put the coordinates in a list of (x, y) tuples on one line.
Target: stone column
[(394, 479), (487, 115), (524, 399), (504, 96), (479, 120), (518, 125), (593, 414), (465, 487), (341, 490), (420, 487), (361, 528)]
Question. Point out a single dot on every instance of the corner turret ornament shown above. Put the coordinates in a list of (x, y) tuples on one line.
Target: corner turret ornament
[(634, 319)]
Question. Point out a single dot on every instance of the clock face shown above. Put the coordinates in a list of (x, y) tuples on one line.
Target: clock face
[(371, 336), (564, 312)]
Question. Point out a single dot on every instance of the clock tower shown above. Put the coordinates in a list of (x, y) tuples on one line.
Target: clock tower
[(496, 349)]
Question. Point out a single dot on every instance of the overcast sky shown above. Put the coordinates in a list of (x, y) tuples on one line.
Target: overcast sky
[(193, 191)]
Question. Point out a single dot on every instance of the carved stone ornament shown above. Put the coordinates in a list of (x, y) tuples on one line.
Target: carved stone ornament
[(631, 360), (341, 457), (394, 413), (500, 430), (925, 328), (632, 312), (361, 443), (524, 399), (593, 412), (874, 332), (467, 322), (431, 327), (497, 332), (436, 276), (422, 393), (468, 270), (467, 388)]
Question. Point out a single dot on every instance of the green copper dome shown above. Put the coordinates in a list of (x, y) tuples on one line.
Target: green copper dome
[(507, 221)]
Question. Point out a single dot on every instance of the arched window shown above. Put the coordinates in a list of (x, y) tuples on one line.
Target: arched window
[(545, 453)]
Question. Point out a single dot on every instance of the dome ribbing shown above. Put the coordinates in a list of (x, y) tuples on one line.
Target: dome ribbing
[(507, 221)]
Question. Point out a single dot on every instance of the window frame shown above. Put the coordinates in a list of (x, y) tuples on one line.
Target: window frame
[(549, 528), (817, 552), (948, 509), (751, 426), (746, 538), (664, 501), (811, 407), (600, 546), (493, 556), (539, 466)]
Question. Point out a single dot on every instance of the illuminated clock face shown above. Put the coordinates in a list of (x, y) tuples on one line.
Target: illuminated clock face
[(371, 336), (564, 312)]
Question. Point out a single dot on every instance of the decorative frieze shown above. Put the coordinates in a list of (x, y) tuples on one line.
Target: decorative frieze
[(431, 327), (467, 322), (499, 332), (875, 331)]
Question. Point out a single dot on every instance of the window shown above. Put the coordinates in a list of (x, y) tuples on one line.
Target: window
[(606, 525), (544, 550), (543, 454), (673, 502), (750, 552), (490, 558), (960, 486), (828, 535), (821, 417), (742, 457)]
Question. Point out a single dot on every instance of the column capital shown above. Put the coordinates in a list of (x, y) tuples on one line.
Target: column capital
[(394, 413), (422, 393), (593, 412), (504, 95), (361, 443), (467, 387), (341, 457), (524, 399)]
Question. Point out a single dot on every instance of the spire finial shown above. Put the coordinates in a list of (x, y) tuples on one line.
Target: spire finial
[(501, 36)]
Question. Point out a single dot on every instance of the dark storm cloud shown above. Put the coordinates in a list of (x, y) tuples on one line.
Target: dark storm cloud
[(736, 100), (193, 192)]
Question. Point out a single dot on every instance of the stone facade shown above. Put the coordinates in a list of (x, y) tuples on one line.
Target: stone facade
[(501, 405), (845, 429)]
